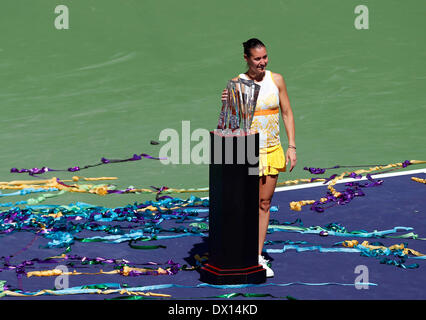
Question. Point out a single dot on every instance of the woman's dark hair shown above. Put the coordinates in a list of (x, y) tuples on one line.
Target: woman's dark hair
[(250, 44)]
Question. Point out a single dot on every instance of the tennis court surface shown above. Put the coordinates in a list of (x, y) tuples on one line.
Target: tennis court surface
[(148, 251), (123, 72)]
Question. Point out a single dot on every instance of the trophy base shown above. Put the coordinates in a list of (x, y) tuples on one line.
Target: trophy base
[(213, 275)]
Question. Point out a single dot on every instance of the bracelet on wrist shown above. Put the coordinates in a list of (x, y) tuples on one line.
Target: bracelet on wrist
[(290, 146)]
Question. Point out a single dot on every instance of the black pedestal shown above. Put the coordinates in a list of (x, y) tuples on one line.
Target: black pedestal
[(233, 211)]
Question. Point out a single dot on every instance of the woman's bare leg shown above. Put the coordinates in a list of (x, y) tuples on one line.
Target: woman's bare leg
[(266, 191)]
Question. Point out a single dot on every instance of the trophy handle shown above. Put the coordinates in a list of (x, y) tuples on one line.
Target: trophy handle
[(221, 123), (238, 108)]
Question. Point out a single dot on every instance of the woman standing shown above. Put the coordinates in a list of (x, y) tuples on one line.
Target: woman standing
[(272, 101)]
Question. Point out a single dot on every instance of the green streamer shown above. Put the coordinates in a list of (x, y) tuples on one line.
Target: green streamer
[(37, 200), (96, 286), (133, 246), (230, 295), (410, 235), (88, 239), (201, 225), (2, 282)]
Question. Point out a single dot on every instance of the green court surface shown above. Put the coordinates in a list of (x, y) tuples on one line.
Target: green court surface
[(126, 70)]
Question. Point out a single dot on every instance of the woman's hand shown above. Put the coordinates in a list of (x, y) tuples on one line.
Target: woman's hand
[(291, 156)]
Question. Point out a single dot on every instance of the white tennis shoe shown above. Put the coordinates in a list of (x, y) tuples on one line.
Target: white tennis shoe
[(264, 263)]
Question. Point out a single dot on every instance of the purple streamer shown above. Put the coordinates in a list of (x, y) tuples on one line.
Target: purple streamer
[(315, 170), (322, 170), (406, 163), (37, 171), (352, 191)]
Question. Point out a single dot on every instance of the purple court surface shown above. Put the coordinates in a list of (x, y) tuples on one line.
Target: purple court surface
[(307, 265)]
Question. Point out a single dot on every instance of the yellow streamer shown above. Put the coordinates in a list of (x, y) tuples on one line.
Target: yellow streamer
[(297, 181), (53, 183), (98, 291), (152, 208), (297, 205), (354, 243), (103, 189), (418, 180), (125, 271)]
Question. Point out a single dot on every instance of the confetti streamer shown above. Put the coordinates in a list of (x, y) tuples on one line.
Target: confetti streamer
[(400, 248), (38, 171), (109, 288), (323, 170), (104, 189), (57, 222), (33, 201), (418, 180), (222, 296), (124, 271), (120, 266), (333, 229), (346, 196), (365, 249), (82, 291)]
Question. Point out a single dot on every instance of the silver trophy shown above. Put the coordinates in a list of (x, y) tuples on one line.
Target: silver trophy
[(238, 109)]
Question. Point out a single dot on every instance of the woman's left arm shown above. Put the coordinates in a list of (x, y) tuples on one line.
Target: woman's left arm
[(288, 119)]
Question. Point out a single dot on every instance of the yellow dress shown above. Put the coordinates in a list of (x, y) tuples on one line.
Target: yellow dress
[(266, 122)]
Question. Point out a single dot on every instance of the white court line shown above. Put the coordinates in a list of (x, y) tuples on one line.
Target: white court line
[(319, 184)]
